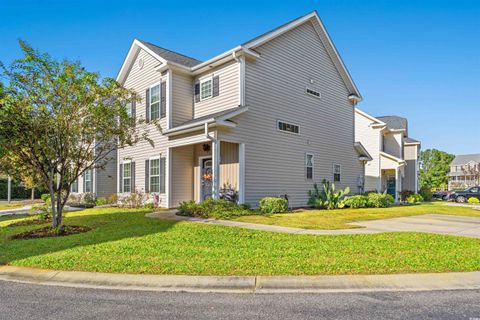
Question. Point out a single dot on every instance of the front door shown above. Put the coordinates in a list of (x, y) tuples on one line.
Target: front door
[(206, 177), (391, 186)]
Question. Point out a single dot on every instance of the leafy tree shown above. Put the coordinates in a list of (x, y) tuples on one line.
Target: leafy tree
[(434, 169), (58, 120)]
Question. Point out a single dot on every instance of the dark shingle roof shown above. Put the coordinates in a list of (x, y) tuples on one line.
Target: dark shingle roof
[(465, 158), (394, 122), (410, 140), (172, 56)]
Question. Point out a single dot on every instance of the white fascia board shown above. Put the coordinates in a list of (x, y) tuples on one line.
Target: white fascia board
[(370, 117), (391, 157)]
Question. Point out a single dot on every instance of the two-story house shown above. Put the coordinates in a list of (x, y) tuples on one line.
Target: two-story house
[(267, 118), (464, 171), (395, 156)]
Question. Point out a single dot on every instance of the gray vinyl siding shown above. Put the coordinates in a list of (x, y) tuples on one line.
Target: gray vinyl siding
[(411, 170), (275, 90), (182, 100), (140, 80), (229, 90)]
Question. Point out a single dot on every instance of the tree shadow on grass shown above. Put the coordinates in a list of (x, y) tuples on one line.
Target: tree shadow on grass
[(107, 225)]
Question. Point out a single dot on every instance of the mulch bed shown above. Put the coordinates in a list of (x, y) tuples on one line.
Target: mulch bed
[(32, 222), (50, 232)]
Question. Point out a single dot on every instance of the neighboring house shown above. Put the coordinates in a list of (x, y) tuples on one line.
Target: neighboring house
[(464, 171), (267, 118), (101, 182), (395, 164)]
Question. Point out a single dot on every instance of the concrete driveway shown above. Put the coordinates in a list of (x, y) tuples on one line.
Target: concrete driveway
[(431, 223)]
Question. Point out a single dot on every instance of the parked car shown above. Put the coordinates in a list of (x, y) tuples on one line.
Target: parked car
[(463, 196), (442, 195)]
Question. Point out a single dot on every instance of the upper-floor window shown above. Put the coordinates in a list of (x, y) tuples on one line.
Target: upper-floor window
[(288, 127), (127, 177), (154, 175), (88, 181), (309, 166), (129, 108), (206, 89), (337, 172), (155, 102)]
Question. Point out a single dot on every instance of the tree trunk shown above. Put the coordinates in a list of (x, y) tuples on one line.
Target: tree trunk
[(59, 208), (52, 205), (33, 194)]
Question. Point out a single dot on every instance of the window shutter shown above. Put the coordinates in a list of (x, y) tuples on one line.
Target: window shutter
[(147, 176), (216, 86), (132, 179), (120, 183), (163, 99), (134, 108), (162, 174), (197, 92), (147, 105)]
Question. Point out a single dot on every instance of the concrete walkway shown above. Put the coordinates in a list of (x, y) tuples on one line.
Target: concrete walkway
[(22, 210), (245, 284), (429, 223)]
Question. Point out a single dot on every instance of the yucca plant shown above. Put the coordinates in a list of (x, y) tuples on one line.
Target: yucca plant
[(327, 198)]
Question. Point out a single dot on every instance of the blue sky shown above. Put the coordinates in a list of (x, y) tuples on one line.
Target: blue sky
[(418, 59)]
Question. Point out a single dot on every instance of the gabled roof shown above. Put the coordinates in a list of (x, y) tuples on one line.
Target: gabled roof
[(375, 121), (395, 122), (187, 64), (392, 157), (172, 56), (465, 158), (409, 140)]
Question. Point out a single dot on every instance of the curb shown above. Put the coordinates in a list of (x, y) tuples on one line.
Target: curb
[(245, 284)]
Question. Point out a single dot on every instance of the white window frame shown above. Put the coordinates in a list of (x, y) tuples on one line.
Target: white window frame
[(289, 123), (129, 162), (129, 108), (158, 84), (311, 94), (150, 174), (307, 154), (334, 172), (210, 78), (75, 183), (90, 180)]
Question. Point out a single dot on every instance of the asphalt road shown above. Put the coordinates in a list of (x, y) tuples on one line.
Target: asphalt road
[(26, 301)]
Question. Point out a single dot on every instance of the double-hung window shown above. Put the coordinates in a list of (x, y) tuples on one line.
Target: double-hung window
[(74, 187), (155, 102), (337, 172), (127, 177), (154, 175), (88, 181), (309, 165), (129, 108), (206, 89)]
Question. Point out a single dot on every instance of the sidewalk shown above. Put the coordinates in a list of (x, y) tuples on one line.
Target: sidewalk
[(245, 284), (22, 210)]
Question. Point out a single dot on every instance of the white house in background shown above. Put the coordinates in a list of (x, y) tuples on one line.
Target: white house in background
[(100, 182), (395, 164), (267, 118), (464, 171)]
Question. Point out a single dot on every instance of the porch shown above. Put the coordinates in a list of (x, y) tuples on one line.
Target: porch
[(209, 169), (392, 174)]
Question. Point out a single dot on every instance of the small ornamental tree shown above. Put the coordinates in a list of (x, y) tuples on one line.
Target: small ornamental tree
[(58, 120)]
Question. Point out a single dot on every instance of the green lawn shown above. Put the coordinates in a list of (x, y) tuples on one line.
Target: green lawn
[(125, 241), (338, 219)]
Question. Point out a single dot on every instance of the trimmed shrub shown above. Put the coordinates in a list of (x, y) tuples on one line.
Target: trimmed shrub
[(89, 200), (426, 194), (273, 205), (379, 200), (405, 194), (414, 198), (358, 201), (473, 200), (210, 208), (101, 201), (45, 197)]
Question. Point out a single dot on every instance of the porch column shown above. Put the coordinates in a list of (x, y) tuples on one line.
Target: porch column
[(216, 169), (397, 184), (241, 173)]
